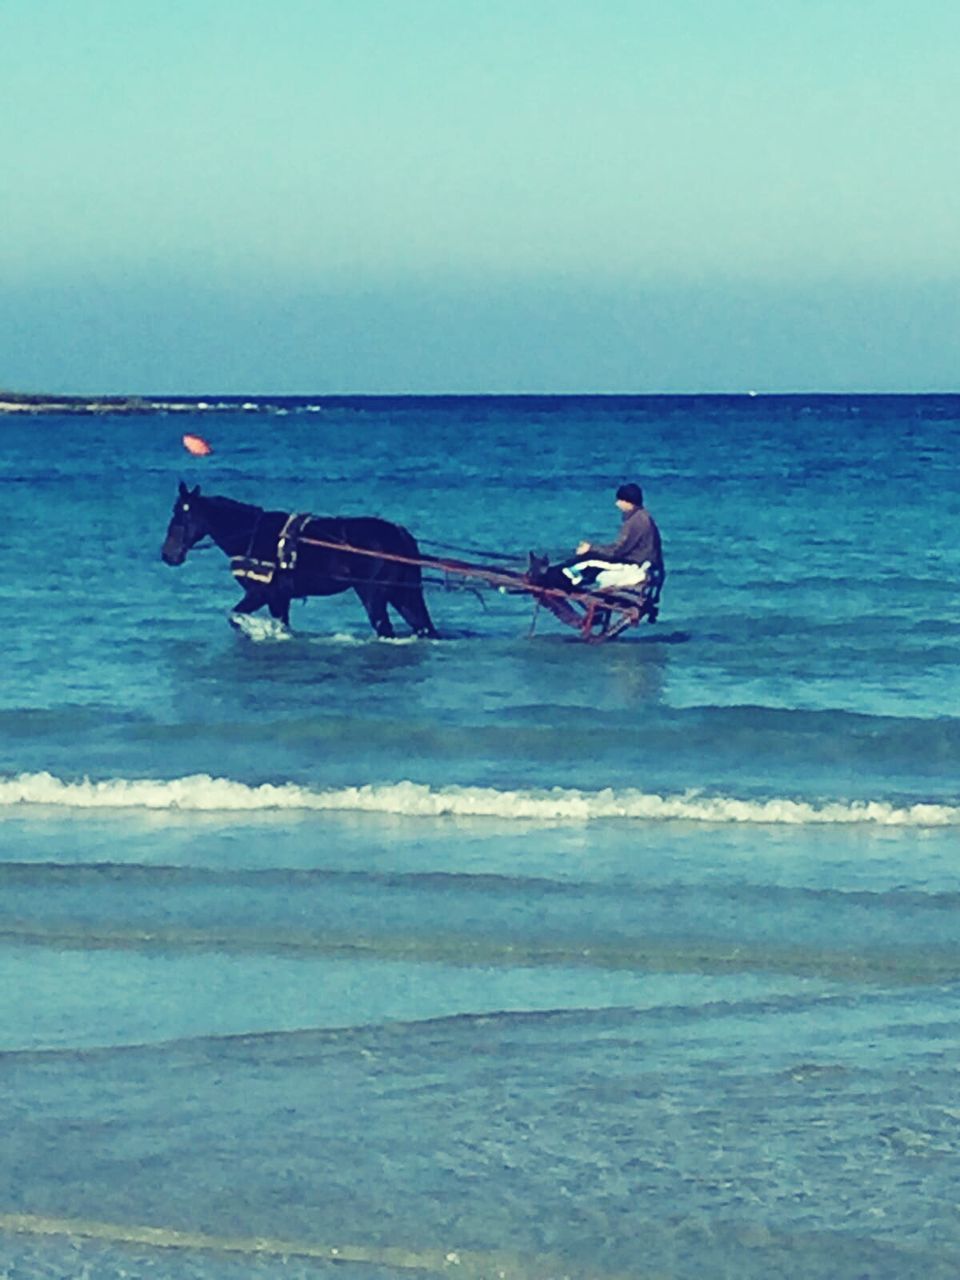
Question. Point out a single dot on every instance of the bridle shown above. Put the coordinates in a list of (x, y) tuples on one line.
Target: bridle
[(180, 524)]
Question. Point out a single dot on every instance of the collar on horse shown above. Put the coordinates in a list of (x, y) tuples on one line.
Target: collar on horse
[(251, 568)]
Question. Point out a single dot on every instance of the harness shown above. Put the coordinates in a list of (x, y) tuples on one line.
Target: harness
[(250, 568)]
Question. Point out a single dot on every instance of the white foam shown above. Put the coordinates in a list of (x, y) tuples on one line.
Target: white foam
[(366, 638), (259, 628), (202, 793)]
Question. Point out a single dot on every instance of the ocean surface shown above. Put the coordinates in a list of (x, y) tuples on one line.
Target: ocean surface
[(500, 955)]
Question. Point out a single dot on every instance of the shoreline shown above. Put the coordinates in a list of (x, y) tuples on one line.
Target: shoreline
[(97, 405), (13, 403)]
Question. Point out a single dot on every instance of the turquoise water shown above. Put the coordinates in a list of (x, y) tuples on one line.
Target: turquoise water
[(501, 953)]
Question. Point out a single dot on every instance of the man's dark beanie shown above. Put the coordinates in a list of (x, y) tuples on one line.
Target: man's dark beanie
[(631, 493)]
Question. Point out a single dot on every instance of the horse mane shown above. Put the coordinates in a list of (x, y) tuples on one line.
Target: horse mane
[(227, 505)]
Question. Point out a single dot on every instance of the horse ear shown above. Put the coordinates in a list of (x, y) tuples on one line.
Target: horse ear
[(182, 489), (196, 491)]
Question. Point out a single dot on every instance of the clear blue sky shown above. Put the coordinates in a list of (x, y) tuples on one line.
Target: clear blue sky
[(479, 195)]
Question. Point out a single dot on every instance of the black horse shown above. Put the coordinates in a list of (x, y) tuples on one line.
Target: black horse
[(274, 556)]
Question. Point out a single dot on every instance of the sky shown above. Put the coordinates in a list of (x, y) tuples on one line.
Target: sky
[(493, 196)]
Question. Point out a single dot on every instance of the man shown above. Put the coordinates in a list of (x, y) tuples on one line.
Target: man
[(633, 561)]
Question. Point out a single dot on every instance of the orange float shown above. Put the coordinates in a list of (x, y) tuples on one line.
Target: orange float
[(197, 446)]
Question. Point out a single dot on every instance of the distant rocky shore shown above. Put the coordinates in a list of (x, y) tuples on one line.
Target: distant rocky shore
[(20, 402)]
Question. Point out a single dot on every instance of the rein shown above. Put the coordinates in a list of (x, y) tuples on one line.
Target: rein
[(254, 531), (496, 577), (468, 551)]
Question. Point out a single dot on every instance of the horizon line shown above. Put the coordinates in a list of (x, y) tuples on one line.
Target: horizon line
[(37, 398)]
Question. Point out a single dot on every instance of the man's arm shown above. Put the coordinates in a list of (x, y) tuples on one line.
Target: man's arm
[(611, 550)]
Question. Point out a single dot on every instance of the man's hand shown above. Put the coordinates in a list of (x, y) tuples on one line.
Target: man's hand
[(583, 548)]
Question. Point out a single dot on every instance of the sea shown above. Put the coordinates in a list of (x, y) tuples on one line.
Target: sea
[(500, 955)]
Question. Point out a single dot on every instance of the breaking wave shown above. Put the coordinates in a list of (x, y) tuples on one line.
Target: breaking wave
[(206, 794)]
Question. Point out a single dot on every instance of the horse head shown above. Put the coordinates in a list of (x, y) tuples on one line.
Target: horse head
[(187, 526)]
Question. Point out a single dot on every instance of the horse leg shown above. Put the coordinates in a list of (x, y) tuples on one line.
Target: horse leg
[(279, 605), (254, 598), (409, 603), (374, 600)]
